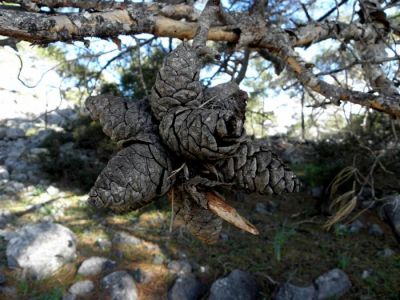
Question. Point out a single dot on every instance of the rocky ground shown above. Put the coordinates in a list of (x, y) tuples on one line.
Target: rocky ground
[(53, 246)]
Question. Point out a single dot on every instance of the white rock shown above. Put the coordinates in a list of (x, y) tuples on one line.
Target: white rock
[(180, 267), (120, 286), (237, 285), (81, 287), (15, 133), (185, 287), (52, 190), (4, 173), (41, 249), (332, 284), (289, 291), (95, 265)]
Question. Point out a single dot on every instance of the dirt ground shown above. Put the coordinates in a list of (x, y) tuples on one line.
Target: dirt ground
[(292, 246)]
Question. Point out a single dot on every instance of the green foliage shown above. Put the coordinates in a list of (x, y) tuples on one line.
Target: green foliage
[(23, 287), (383, 282), (344, 260), (55, 293), (38, 190), (340, 230), (281, 236), (27, 288), (77, 155), (318, 173), (131, 82)]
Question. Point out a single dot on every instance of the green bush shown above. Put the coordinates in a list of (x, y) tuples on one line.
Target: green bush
[(79, 163)]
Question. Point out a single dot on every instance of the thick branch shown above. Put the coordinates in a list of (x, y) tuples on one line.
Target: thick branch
[(136, 18), (160, 20), (86, 4)]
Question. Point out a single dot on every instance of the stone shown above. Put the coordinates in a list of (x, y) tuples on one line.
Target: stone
[(103, 244), (35, 154), (123, 238), (368, 204), (69, 296), (138, 275), (41, 136), (356, 227), (224, 236), (387, 252), (186, 287), (3, 133), (180, 267), (375, 230), (5, 217), (52, 190), (289, 291), (2, 278), (332, 284), (294, 154), (365, 194), (317, 192), (55, 119), (13, 187), (120, 286), (266, 208), (260, 208), (41, 249), (158, 259), (81, 287), (66, 148), (10, 292), (14, 133), (95, 265), (7, 234), (15, 150), (237, 285), (391, 212), (366, 273), (4, 173)]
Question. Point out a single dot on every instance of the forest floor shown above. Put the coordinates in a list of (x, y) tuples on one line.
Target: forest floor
[(292, 246)]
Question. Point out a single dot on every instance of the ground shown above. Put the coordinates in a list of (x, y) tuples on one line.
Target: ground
[(293, 246)]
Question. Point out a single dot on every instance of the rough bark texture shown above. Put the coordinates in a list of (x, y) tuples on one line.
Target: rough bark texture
[(110, 19)]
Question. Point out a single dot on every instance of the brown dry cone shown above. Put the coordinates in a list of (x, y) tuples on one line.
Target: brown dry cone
[(123, 120), (255, 168), (192, 124), (201, 223), (137, 174), (202, 209)]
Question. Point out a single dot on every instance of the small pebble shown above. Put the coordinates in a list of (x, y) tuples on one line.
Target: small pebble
[(375, 230), (158, 259), (366, 273), (387, 252), (356, 226)]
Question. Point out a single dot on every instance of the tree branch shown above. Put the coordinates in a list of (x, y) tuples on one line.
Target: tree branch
[(160, 20)]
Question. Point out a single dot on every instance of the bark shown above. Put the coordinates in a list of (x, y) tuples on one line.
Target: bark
[(166, 21), (372, 47), (34, 5)]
